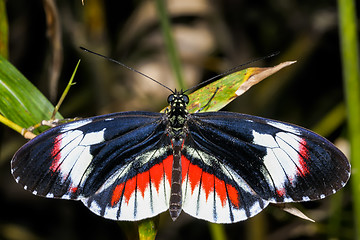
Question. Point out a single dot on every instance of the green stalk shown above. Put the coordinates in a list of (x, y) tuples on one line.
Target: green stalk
[(62, 98), (351, 77), (170, 43), (217, 231), (4, 31)]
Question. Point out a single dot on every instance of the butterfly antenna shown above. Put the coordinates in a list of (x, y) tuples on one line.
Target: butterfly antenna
[(231, 70), (126, 66)]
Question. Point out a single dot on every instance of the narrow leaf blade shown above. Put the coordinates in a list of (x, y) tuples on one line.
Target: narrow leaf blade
[(21, 102)]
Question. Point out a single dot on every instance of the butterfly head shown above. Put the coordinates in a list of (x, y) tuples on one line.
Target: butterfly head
[(178, 99)]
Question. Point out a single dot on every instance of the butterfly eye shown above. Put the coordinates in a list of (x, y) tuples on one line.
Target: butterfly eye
[(185, 99), (170, 98)]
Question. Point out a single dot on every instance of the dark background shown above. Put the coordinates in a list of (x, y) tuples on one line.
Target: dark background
[(212, 36)]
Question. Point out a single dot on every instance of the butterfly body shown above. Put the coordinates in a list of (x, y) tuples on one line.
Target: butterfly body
[(219, 166), (177, 131)]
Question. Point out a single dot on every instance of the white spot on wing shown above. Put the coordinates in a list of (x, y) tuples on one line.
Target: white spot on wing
[(71, 138), (265, 140), (50, 195), (283, 126), (274, 173), (73, 125), (67, 196), (306, 198), (79, 169), (75, 157), (288, 199), (281, 161), (93, 138)]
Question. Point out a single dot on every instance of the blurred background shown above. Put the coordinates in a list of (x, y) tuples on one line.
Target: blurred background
[(211, 37)]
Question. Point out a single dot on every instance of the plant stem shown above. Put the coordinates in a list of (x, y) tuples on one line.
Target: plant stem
[(169, 42), (351, 78), (4, 31)]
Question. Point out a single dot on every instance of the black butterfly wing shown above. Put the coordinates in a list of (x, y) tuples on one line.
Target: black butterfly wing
[(119, 164), (235, 164)]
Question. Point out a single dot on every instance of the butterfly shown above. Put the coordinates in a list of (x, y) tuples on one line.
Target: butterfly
[(222, 167)]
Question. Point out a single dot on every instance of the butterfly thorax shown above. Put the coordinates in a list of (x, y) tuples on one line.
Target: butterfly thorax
[(177, 114)]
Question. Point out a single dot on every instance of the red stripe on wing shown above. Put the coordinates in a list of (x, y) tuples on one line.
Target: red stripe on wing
[(130, 187), (56, 154), (194, 175), (209, 179), (281, 192), (117, 193), (209, 183), (221, 190), (233, 195), (141, 181), (303, 168)]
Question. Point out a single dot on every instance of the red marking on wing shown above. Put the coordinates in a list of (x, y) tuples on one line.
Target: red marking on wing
[(303, 168), (117, 193), (129, 189), (73, 189), (280, 192), (209, 183), (56, 154), (194, 174), (141, 181), (157, 174), (233, 195), (221, 190)]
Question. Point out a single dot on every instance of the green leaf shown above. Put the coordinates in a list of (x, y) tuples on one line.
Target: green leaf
[(229, 87), (21, 102)]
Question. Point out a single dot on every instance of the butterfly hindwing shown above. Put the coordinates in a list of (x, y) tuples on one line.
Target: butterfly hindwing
[(115, 164), (236, 164), (139, 190), (215, 193)]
